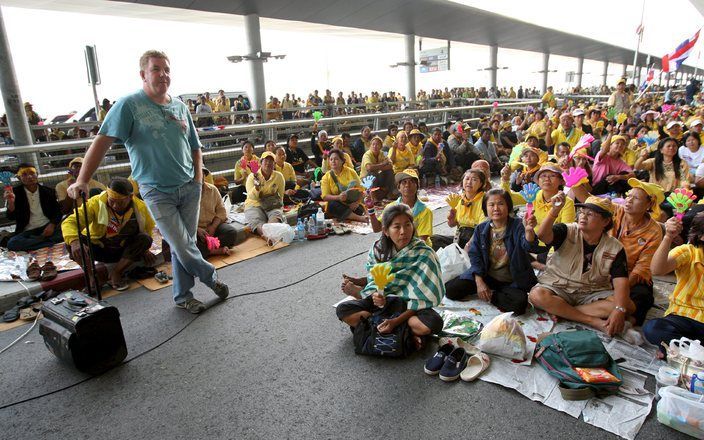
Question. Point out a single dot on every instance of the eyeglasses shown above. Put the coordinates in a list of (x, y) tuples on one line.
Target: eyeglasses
[(587, 213)]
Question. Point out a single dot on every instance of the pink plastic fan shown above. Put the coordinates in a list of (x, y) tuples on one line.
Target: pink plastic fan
[(667, 107), (681, 199), (495, 104), (583, 142), (529, 193), (575, 176), (212, 242), (253, 165)]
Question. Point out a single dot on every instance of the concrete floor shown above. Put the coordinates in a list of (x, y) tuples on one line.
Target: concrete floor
[(277, 364)]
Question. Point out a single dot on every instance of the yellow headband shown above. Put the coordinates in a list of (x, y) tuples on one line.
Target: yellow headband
[(116, 195), (26, 170)]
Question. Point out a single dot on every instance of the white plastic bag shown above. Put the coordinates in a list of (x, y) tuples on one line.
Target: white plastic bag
[(277, 232), (227, 203), (503, 336), (453, 261)]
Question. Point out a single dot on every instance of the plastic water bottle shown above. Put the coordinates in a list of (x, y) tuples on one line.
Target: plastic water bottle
[(312, 229), (320, 220), (300, 231), (437, 181)]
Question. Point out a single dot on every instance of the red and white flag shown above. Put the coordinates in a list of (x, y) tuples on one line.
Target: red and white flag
[(672, 61)]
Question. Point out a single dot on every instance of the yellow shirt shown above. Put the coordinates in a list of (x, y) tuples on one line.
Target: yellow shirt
[(538, 129), (242, 173), (328, 185), (688, 297), (403, 159), (472, 215), (370, 159), (389, 141), (274, 186), (549, 99), (414, 148), (559, 136), (61, 188), (287, 171)]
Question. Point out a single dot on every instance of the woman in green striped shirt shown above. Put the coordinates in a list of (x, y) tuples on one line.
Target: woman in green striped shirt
[(417, 285)]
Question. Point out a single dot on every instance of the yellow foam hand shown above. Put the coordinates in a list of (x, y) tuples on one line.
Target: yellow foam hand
[(621, 118), (453, 200), (382, 276)]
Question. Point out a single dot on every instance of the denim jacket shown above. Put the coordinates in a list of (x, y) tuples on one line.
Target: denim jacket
[(517, 248)]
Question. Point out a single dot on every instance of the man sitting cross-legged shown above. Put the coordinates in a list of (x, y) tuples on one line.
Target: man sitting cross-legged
[(120, 230), (586, 279)]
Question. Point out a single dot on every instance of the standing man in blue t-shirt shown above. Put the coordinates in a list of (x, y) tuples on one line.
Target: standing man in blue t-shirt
[(167, 163)]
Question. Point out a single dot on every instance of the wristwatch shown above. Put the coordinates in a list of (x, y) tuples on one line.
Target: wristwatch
[(620, 309)]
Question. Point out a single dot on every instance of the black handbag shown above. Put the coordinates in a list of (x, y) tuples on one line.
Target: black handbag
[(370, 342)]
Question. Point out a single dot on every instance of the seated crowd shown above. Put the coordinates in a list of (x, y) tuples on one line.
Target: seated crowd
[(587, 251)]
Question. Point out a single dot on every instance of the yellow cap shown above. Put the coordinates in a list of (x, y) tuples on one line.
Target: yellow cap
[(652, 189), (408, 173), (415, 131), (75, 160), (598, 204), (267, 154), (618, 137)]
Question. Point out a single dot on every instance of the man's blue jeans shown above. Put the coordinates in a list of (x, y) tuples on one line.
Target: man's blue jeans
[(176, 216), (33, 239)]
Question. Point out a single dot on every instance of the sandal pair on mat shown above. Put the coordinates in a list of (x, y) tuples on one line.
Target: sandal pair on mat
[(44, 273)]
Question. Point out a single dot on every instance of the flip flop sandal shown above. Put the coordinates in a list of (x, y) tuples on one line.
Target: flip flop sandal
[(26, 301), (28, 314), (338, 230), (476, 366), (120, 286), (11, 315), (161, 277), (49, 271), (34, 272)]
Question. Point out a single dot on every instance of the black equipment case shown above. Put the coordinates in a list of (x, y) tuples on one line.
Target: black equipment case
[(83, 331)]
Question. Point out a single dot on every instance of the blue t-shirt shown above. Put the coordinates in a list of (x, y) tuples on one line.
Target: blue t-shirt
[(159, 139)]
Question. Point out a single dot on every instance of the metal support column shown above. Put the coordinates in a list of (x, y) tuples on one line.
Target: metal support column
[(410, 41), (605, 73), (16, 116), (623, 74), (580, 71), (493, 65), (546, 67), (256, 66)]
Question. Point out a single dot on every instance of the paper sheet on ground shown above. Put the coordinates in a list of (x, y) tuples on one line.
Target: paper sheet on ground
[(620, 414)]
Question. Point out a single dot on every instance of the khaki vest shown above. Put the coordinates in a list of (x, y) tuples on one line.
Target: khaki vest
[(564, 267)]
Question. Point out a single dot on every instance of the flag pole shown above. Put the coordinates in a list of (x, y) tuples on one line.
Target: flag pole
[(640, 37)]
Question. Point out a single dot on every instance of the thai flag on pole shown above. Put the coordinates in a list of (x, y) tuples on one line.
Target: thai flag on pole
[(671, 62), (648, 80)]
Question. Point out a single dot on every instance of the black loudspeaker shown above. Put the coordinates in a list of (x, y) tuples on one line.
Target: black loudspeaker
[(83, 332)]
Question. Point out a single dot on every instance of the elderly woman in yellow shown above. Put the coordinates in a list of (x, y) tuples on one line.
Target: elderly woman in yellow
[(400, 155), (375, 163), (340, 188), (265, 195), (120, 230), (415, 138), (467, 213), (408, 184)]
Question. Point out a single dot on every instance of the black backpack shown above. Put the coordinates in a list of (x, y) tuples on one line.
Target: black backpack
[(369, 341)]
